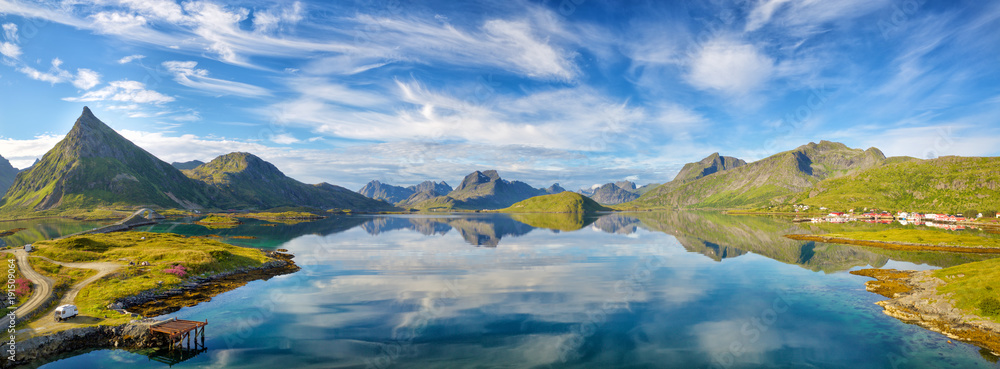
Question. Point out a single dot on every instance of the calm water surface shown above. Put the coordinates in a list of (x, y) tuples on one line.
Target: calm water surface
[(687, 290)]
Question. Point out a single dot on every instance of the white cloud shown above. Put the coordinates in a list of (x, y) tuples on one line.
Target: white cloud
[(116, 22), (10, 50), (730, 67), (284, 139), (53, 76), (266, 21), (125, 91), (576, 118), (804, 17), (130, 58), (186, 74), (86, 79), (10, 32), (22, 153), (762, 13)]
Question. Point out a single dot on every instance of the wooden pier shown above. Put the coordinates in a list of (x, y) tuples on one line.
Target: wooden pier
[(177, 330)]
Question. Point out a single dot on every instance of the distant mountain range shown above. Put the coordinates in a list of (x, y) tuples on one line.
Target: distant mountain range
[(480, 190), (94, 166), (395, 194)]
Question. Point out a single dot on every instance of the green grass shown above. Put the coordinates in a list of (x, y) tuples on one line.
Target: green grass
[(218, 219), (62, 277), (947, 184), (162, 250), (921, 236), (282, 215), (565, 202), (974, 287)]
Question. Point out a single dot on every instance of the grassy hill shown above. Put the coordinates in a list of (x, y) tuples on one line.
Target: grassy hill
[(772, 180), (947, 184), (564, 202)]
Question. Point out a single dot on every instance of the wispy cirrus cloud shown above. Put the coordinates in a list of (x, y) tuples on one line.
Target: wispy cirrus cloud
[(185, 73), (124, 91), (130, 58)]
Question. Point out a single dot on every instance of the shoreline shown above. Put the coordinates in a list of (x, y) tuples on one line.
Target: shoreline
[(135, 335), (913, 298), (154, 303), (906, 246)]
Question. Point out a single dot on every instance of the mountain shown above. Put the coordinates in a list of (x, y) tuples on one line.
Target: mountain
[(187, 164), (554, 189), (398, 194), (712, 164), (7, 175), (947, 184), (482, 190), (425, 186), (612, 194), (772, 180), (626, 185), (380, 191), (565, 202), (95, 166), (253, 182)]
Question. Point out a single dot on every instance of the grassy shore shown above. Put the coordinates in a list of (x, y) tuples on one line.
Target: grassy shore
[(975, 287), (173, 258)]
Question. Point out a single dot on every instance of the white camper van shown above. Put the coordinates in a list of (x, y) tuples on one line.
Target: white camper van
[(28, 248), (65, 312)]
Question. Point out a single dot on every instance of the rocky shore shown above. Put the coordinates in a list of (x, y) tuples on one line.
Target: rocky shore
[(200, 289), (913, 298), (134, 335)]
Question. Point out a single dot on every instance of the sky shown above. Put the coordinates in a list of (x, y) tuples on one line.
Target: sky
[(578, 92)]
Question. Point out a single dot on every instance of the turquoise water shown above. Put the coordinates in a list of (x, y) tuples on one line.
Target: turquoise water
[(650, 290), (42, 229)]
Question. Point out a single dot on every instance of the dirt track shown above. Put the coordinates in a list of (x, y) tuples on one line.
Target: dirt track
[(43, 287), (43, 284)]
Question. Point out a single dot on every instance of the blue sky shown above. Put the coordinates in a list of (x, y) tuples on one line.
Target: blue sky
[(572, 91)]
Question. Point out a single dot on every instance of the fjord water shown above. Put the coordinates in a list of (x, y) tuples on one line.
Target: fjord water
[(684, 290)]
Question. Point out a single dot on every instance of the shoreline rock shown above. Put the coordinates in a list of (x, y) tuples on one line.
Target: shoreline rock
[(46, 348), (913, 298)]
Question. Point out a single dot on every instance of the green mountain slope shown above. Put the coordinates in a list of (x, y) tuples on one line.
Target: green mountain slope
[(768, 181), (253, 182), (947, 184), (95, 166), (564, 202), (7, 175)]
